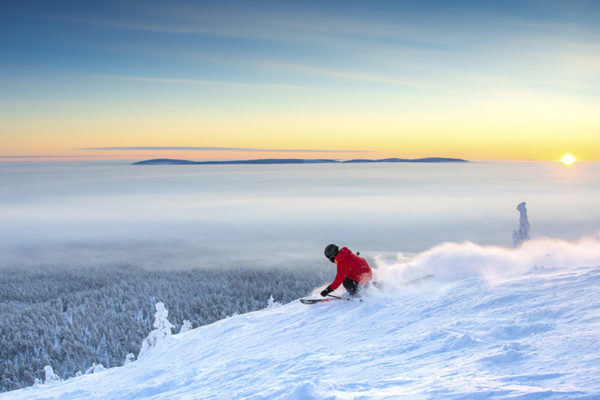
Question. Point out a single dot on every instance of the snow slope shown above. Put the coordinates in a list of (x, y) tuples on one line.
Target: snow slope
[(494, 323)]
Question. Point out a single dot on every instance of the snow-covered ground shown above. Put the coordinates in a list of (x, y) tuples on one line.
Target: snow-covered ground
[(495, 322)]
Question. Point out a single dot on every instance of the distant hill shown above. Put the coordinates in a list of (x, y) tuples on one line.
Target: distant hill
[(170, 161)]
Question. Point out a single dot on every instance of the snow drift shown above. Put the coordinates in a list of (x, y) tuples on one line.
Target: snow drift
[(493, 323)]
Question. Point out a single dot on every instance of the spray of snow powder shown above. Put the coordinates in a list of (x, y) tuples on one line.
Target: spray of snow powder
[(456, 261)]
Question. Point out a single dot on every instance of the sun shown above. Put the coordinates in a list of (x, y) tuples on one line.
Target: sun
[(568, 159)]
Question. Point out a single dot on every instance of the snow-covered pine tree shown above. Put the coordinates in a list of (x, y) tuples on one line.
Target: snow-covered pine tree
[(271, 303), (162, 331), (522, 235)]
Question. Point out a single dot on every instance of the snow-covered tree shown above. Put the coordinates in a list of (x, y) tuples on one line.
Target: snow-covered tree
[(162, 331), (271, 303), (522, 234), (186, 326), (50, 376)]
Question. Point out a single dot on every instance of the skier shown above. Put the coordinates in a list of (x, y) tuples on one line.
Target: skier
[(352, 270)]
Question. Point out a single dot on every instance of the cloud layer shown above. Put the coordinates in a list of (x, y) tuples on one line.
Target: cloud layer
[(240, 149)]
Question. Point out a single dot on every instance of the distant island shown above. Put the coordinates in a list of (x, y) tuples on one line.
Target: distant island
[(170, 161)]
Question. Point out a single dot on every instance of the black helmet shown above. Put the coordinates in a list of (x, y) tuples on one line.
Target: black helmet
[(331, 252)]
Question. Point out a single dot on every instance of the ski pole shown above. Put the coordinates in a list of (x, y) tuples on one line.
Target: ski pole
[(335, 297)]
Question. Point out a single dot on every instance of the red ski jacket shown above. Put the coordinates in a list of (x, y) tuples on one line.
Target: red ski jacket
[(349, 265)]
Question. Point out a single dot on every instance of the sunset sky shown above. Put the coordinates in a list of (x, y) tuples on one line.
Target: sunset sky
[(481, 80)]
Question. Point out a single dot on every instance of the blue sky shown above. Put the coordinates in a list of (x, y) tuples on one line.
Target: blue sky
[(321, 65)]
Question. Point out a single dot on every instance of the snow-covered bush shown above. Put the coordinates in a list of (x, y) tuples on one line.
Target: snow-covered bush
[(129, 358), (186, 326), (50, 376), (162, 331), (94, 369)]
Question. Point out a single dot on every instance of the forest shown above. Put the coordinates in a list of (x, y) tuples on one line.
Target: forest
[(74, 318)]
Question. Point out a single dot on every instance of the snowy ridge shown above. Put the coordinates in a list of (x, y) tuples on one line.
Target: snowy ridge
[(494, 323)]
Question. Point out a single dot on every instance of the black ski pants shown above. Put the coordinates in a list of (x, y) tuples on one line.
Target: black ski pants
[(351, 286)]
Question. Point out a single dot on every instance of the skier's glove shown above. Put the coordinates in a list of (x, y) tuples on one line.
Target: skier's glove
[(325, 292)]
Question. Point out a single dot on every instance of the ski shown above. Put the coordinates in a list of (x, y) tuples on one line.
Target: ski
[(332, 298), (315, 301)]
